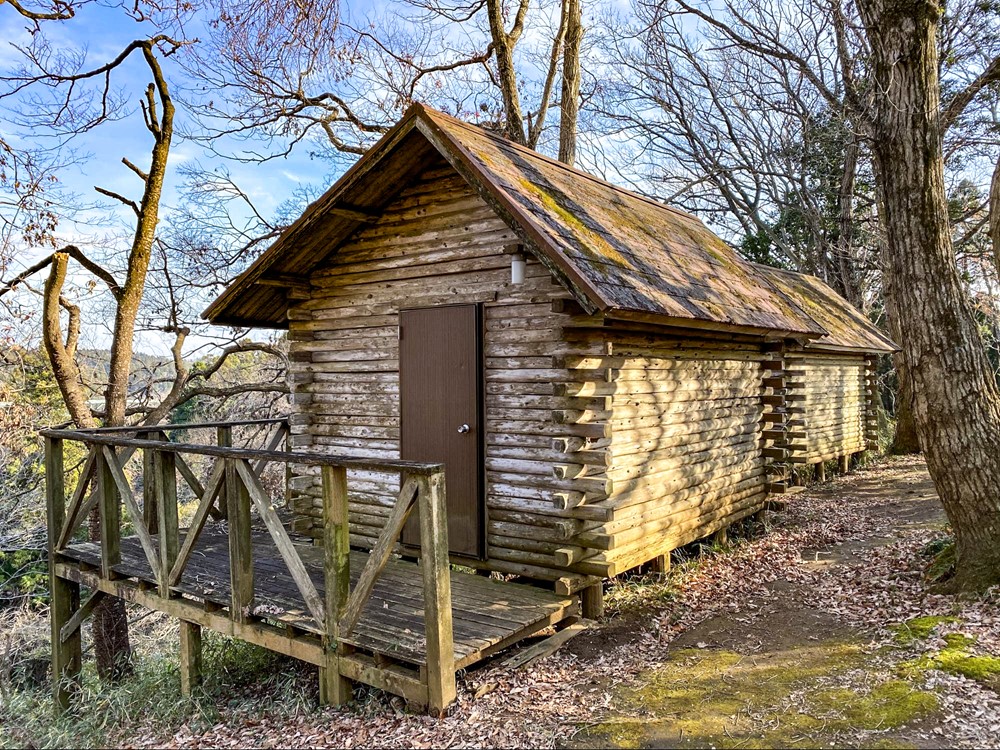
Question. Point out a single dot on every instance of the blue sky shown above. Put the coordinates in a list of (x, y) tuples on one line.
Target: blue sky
[(102, 32)]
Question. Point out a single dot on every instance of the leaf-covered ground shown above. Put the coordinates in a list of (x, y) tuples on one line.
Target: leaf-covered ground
[(821, 631)]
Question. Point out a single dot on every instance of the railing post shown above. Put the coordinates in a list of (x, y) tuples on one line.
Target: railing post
[(334, 689), (436, 571), (224, 439), (240, 544), (149, 512), (110, 514), (165, 478), (66, 656)]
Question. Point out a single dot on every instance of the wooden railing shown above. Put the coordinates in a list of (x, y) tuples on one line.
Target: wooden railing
[(232, 488)]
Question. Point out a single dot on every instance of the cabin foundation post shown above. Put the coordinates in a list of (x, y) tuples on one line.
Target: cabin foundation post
[(592, 601), (721, 537), (67, 653), (660, 564), (190, 638), (334, 688), (845, 464), (821, 471)]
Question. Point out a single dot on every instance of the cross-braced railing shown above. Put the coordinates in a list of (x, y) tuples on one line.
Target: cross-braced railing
[(233, 490)]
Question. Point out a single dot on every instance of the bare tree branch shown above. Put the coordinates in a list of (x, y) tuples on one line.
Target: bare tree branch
[(963, 98)]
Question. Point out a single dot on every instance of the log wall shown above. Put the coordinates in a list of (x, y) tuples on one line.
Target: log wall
[(685, 450), (830, 405), (438, 244)]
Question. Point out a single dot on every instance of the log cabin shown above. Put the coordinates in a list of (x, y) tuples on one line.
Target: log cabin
[(603, 378)]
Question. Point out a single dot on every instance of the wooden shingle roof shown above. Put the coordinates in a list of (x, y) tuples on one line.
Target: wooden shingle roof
[(620, 253)]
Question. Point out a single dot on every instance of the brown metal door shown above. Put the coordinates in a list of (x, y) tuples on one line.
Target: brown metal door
[(439, 377)]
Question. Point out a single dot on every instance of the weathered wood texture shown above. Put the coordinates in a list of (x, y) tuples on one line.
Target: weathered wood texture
[(437, 244), (422, 635), (488, 614), (685, 451), (829, 411)]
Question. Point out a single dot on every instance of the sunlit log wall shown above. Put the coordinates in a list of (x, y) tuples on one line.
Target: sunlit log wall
[(830, 397)]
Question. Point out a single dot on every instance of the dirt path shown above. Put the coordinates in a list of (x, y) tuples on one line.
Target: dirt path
[(786, 669)]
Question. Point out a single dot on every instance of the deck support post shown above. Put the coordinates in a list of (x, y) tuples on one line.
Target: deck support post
[(67, 656), (165, 478), (435, 566), (334, 688), (190, 657), (821, 471), (592, 600), (845, 464), (240, 544)]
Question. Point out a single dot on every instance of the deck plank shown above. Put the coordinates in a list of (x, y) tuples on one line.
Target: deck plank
[(485, 612)]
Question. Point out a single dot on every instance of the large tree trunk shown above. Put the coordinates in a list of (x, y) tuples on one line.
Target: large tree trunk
[(955, 397), (995, 216), (905, 440)]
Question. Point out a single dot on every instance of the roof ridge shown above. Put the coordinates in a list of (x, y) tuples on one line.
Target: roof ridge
[(436, 113)]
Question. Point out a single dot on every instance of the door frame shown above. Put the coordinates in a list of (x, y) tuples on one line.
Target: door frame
[(480, 341)]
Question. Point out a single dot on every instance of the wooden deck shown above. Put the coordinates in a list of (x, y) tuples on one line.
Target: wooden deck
[(369, 617), (488, 615)]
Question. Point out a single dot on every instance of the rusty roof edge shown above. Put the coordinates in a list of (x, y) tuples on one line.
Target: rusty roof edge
[(314, 210), (676, 321), (819, 346), (458, 156)]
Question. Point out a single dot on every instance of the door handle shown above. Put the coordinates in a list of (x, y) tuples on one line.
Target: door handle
[(464, 428)]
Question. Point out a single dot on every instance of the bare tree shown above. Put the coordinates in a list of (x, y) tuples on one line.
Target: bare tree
[(747, 140), (310, 75)]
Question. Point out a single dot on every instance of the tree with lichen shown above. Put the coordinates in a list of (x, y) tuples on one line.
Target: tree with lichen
[(73, 100)]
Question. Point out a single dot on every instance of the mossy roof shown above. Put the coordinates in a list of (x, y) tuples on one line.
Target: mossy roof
[(617, 251), (846, 327)]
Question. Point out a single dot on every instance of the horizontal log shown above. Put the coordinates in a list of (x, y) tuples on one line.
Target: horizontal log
[(675, 514), (662, 498)]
